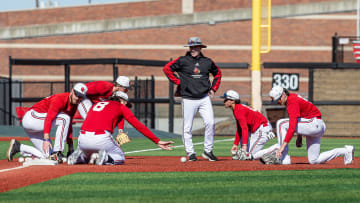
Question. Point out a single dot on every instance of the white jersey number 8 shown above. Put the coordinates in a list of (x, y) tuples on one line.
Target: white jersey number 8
[(100, 106)]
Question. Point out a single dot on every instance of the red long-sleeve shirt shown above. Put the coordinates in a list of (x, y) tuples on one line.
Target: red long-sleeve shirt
[(298, 107), (247, 120), (107, 114), (100, 91), (53, 105)]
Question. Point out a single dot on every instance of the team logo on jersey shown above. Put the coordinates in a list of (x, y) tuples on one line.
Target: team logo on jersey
[(196, 70)]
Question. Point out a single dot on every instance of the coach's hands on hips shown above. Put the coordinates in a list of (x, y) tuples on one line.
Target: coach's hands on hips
[(211, 93), (165, 145)]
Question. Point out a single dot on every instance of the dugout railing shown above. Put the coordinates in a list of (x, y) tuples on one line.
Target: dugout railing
[(144, 98)]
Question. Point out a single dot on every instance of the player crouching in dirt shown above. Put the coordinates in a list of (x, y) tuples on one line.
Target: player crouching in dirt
[(305, 120), (96, 144), (56, 110), (248, 122)]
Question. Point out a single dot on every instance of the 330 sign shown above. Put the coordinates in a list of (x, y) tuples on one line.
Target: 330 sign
[(289, 81)]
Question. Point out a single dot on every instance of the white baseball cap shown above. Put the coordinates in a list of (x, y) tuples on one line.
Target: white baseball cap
[(123, 81), (122, 95), (80, 90), (231, 94), (276, 93)]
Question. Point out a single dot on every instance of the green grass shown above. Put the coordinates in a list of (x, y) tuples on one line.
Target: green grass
[(340, 185), (336, 185)]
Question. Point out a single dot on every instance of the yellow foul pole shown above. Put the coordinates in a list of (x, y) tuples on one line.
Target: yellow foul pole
[(257, 42), (256, 101)]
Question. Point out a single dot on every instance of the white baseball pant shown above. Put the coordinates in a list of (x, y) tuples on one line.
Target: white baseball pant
[(189, 109), (313, 129), (33, 123), (84, 107), (90, 142), (258, 139)]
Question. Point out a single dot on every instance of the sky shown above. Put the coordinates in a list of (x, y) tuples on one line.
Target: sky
[(15, 5)]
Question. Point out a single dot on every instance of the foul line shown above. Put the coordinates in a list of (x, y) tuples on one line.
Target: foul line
[(156, 149), (10, 169)]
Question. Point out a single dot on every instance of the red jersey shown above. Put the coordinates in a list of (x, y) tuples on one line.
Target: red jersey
[(107, 114), (298, 107), (248, 120), (53, 105), (99, 90)]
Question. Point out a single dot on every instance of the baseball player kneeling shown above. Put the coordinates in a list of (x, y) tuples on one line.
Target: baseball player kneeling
[(96, 141), (249, 122)]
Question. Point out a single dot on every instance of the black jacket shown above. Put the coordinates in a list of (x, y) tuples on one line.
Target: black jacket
[(193, 75)]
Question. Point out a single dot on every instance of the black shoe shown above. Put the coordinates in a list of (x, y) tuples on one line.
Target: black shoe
[(57, 156), (14, 148), (192, 157), (210, 156)]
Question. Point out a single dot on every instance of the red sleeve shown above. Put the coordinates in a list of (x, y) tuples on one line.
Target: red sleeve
[(129, 116), (56, 106), (121, 124), (237, 135), (293, 109), (215, 70), (170, 73), (244, 129)]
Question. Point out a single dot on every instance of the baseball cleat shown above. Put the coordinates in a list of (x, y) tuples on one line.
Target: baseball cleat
[(93, 158), (210, 156), (72, 159), (271, 135), (349, 155), (192, 157), (14, 148), (102, 157)]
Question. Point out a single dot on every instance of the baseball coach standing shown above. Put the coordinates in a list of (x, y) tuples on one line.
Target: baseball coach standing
[(195, 88)]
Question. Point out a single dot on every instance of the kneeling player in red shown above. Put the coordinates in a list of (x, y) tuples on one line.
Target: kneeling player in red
[(96, 133)]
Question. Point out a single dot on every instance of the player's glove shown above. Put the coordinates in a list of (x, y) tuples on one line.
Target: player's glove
[(122, 138), (244, 155), (270, 158)]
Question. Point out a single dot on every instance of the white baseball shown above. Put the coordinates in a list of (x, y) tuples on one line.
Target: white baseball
[(21, 159), (183, 159), (64, 159)]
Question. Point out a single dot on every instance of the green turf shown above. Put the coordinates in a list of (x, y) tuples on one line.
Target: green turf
[(336, 185)]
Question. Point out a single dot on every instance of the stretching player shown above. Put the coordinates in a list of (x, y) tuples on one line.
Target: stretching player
[(57, 110), (248, 121), (101, 90), (305, 120), (96, 133), (195, 88)]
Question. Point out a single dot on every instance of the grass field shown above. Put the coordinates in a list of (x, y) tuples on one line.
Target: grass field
[(335, 185)]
